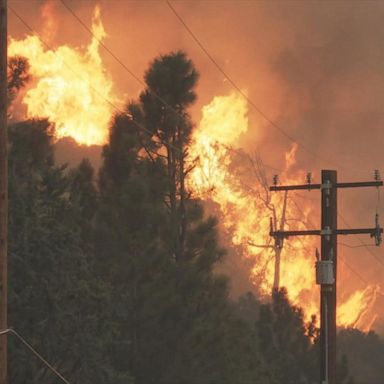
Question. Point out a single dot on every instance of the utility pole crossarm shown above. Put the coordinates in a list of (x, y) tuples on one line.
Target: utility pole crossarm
[(277, 188), (283, 234), (317, 232), (360, 231), (359, 184)]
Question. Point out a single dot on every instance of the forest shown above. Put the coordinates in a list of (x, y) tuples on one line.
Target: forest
[(113, 272)]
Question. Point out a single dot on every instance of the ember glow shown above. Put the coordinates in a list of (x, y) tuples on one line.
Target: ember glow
[(70, 86)]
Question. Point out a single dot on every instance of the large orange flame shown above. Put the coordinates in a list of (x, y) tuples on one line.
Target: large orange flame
[(246, 207), (358, 310), (71, 86)]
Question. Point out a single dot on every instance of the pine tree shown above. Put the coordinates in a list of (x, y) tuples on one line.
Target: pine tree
[(17, 75), (285, 342), (170, 81), (55, 301), (158, 250)]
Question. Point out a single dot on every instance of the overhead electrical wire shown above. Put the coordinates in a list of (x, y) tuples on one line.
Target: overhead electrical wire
[(165, 103), (114, 106), (131, 73), (356, 246), (70, 10), (342, 259), (161, 99), (361, 242), (37, 354), (238, 89)]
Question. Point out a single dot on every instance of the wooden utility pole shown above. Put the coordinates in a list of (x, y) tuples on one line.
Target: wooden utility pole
[(328, 291), (326, 268), (3, 190)]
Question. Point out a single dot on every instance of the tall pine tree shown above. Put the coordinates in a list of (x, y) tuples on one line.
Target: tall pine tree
[(158, 250)]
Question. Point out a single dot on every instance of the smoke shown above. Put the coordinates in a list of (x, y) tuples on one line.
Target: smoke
[(314, 68)]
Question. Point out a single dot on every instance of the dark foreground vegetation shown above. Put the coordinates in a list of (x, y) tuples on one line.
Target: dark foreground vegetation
[(112, 275)]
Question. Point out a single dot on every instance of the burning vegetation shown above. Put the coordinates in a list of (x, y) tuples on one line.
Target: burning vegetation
[(70, 86)]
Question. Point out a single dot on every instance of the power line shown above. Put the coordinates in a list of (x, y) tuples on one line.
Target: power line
[(69, 9), (232, 82), (129, 71), (342, 259), (350, 267), (361, 242), (137, 78), (54, 52), (356, 246), (48, 46), (229, 148), (161, 99), (116, 108), (37, 354)]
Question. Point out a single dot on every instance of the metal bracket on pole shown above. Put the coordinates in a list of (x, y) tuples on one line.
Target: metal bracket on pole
[(327, 232), (377, 231), (327, 185)]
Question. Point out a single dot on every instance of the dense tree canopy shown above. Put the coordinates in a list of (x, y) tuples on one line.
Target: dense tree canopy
[(55, 300)]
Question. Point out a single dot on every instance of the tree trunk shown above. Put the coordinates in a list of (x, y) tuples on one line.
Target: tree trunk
[(279, 247), (3, 191), (182, 211)]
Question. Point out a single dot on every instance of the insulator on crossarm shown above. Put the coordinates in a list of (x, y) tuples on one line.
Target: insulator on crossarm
[(377, 232), (279, 242), (275, 180), (309, 180), (376, 174)]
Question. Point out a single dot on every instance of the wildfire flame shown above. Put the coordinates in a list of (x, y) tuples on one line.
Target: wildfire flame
[(357, 311), (246, 207), (71, 86)]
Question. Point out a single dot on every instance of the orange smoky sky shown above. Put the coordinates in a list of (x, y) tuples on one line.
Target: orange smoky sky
[(314, 68)]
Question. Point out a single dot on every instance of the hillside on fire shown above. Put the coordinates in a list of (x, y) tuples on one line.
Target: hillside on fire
[(164, 224)]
